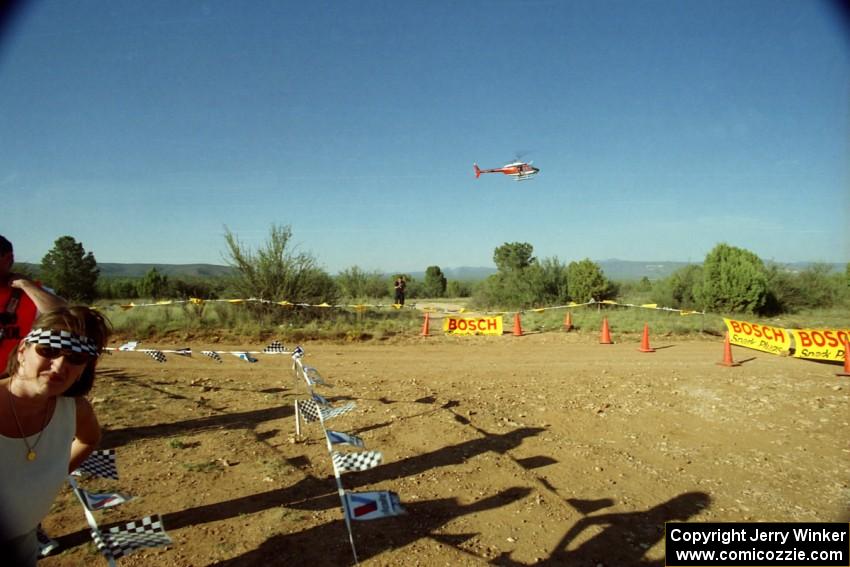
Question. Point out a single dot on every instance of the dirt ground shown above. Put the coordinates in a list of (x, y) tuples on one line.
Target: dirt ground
[(546, 449)]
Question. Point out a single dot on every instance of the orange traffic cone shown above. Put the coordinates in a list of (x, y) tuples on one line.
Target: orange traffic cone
[(644, 342), (517, 326), (846, 360), (568, 322), (425, 324), (727, 354), (605, 338)]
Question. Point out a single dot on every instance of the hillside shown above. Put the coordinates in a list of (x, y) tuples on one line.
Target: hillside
[(118, 270), (619, 270)]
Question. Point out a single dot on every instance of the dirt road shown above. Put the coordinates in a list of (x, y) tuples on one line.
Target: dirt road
[(547, 449)]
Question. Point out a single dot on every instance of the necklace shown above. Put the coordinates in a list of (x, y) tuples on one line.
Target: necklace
[(31, 454)]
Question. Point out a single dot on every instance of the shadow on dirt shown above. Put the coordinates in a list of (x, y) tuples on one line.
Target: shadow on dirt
[(113, 438), (625, 538), (623, 541), (327, 544), (311, 493)]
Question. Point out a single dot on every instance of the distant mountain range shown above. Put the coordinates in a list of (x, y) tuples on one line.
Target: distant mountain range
[(619, 270), (613, 269), (116, 270), (171, 270)]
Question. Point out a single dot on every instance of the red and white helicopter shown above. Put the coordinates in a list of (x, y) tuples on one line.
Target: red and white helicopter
[(520, 170)]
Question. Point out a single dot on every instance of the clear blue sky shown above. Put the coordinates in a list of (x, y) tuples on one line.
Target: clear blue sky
[(661, 128)]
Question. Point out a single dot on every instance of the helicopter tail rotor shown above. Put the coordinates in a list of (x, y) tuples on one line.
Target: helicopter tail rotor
[(477, 170)]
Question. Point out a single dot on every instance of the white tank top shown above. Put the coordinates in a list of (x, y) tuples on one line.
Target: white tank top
[(28, 488)]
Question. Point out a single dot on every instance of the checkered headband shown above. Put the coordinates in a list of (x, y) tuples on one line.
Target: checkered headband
[(64, 340)]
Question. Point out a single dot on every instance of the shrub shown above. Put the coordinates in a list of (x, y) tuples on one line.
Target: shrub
[(587, 282), (677, 290), (734, 280)]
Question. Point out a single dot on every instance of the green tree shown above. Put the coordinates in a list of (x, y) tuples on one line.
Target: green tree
[(522, 281), (513, 256), (355, 283), (551, 285), (70, 270), (435, 282), (734, 280), (821, 286), (513, 285), (677, 290), (459, 288), (204, 288), (587, 281), (153, 284), (117, 288), (276, 271)]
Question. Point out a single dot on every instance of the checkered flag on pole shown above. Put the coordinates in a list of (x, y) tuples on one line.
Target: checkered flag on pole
[(155, 354), (362, 461), (99, 501), (312, 376), (124, 540), (372, 505), (100, 464), (337, 438), (308, 409), (212, 354), (298, 352), (329, 413), (274, 347), (319, 399), (244, 356)]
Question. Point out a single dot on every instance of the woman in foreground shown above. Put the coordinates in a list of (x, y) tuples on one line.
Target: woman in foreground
[(47, 426)]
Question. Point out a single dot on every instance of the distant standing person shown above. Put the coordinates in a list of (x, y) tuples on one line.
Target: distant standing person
[(400, 284)]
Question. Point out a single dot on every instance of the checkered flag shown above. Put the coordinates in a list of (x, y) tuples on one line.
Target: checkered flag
[(337, 438), (319, 399), (308, 409), (99, 501), (298, 352), (212, 354), (124, 540), (244, 356), (329, 413), (155, 354), (372, 505), (312, 376), (274, 347), (100, 464), (362, 461)]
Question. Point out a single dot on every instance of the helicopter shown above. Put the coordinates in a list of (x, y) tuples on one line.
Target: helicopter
[(521, 170)]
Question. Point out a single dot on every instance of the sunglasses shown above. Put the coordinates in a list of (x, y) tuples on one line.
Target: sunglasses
[(75, 358)]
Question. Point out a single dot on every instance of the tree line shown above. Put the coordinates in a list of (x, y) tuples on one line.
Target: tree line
[(729, 280)]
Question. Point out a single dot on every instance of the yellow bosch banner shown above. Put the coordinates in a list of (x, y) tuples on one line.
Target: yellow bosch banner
[(774, 340), (820, 344), (473, 325)]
